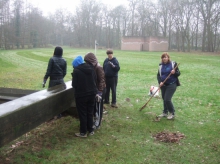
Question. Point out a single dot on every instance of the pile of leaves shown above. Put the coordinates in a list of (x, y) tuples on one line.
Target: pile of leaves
[(169, 137)]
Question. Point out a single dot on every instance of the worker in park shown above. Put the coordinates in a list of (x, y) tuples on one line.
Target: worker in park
[(111, 68), (85, 90), (56, 69), (168, 68), (90, 58)]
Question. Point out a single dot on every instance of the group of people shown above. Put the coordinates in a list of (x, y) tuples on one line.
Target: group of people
[(91, 82)]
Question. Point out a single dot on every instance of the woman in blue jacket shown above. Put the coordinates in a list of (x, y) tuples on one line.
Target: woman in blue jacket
[(168, 87)]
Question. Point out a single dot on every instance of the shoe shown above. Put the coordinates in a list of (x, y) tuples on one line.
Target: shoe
[(59, 116), (163, 115), (96, 127), (171, 116), (83, 135), (91, 133), (114, 106)]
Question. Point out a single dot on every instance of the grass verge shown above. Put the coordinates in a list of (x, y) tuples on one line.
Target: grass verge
[(126, 135)]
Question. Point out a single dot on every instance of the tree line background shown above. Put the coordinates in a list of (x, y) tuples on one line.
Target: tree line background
[(188, 24)]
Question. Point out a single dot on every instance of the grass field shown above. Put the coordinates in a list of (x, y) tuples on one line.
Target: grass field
[(126, 135)]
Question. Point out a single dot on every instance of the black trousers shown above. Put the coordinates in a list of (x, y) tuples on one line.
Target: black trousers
[(111, 83), (167, 94), (85, 107)]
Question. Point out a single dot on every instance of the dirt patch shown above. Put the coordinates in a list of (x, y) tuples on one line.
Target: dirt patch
[(169, 137)]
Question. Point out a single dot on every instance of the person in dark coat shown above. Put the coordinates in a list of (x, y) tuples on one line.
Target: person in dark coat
[(85, 90), (111, 68), (56, 69), (168, 88), (100, 79)]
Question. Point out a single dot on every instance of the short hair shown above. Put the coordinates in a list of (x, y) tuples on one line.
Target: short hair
[(165, 54), (109, 51)]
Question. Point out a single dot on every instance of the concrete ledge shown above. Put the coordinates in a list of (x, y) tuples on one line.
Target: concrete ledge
[(23, 114)]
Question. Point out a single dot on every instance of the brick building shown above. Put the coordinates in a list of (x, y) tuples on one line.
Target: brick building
[(144, 43)]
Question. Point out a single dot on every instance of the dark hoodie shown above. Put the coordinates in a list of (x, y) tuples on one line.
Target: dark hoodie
[(83, 80), (56, 66), (109, 70), (100, 75)]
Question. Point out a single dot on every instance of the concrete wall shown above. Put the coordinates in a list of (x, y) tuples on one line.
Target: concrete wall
[(158, 44), (23, 114), (132, 43), (144, 43)]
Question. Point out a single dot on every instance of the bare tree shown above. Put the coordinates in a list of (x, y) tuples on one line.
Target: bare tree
[(209, 10), (132, 8)]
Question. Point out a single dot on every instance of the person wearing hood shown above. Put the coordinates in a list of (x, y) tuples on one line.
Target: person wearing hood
[(56, 69), (90, 58), (111, 68), (84, 84)]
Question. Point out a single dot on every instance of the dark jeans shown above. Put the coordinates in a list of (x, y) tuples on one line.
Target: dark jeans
[(85, 107), (167, 94), (55, 82), (111, 83)]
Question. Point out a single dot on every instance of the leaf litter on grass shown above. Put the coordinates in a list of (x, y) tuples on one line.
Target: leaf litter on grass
[(168, 137)]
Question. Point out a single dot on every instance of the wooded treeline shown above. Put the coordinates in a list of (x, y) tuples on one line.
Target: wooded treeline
[(188, 24)]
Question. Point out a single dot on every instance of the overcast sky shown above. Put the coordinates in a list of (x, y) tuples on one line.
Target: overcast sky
[(48, 6)]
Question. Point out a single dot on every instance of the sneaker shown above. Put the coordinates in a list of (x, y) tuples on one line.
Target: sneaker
[(59, 116), (114, 106), (96, 127), (83, 135), (91, 133), (163, 115), (171, 116)]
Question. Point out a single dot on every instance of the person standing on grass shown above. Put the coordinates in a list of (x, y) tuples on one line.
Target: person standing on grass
[(111, 68), (56, 69), (90, 58), (85, 90), (168, 88)]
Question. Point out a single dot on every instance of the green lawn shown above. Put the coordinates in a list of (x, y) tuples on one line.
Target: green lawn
[(126, 135)]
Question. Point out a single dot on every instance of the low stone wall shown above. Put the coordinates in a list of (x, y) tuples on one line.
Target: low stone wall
[(23, 114)]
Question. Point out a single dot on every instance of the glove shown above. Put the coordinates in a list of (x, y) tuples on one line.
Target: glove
[(100, 93), (44, 82), (98, 98), (111, 64)]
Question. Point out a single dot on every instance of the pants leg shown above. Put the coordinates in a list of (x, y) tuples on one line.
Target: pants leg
[(85, 107), (90, 109), (108, 84), (113, 88), (163, 91), (167, 94)]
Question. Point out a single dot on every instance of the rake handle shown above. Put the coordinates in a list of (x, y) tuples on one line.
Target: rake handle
[(157, 89)]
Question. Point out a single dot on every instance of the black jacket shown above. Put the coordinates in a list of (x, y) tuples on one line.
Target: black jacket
[(56, 68), (109, 70), (84, 80)]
